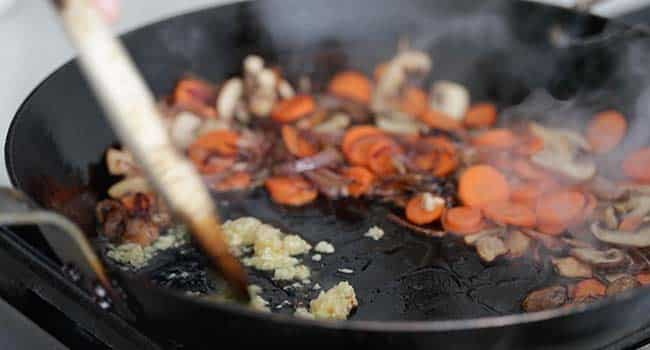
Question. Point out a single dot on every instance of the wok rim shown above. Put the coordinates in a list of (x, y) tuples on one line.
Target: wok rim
[(347, 325)]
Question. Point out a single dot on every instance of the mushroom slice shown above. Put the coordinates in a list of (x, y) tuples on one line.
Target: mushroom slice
[(545, 299), (398, 123), (231, 93), (549, 242), (609, 218), (184, 128), (576, 170), (560, 139), (640, 239), (490, 247), (338, 122), (607, 259), (395, 76), (449, 98), (571, 267), (639, 207), (473, 238), (605, 189), (517, 244), (137, 184), (622, 284), (120, 162)]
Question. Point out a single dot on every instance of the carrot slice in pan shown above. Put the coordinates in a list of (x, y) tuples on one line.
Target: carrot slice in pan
[(636, 165), (361, 180), (643, 278), (508, 213), (424, 209), (606, 130), (358, 153), (296, 143), (551, 229), (291, 190), (462, 220), (526, 170), (557, 210), (223, 142), (351, 85), (414, 102), (496, 138), (481, 115), (290, 110), (381, 157), (530, 146), (481, 184), (237, 181), (197, 96), (439, 120), (357, 132), (440, 156), (589, 288)]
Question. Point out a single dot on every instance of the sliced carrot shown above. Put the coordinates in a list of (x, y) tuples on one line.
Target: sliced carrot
[(223, 142), (636, 165), (526, 194), (351, 85), (462, 220), (481, 115), (643, 278), (438, 120), (291, 190), (440, 156), (587, 211), (359, 152), (526, 170), (357, 132), (235, 182), (559, 209), (447, 163), (530, 145), (551, 229), (496, 139), (296, 143), (509, 213), (606, 130), (381, 157), (414, 101), (290, 110), (589, 288), (214, 165), (196, 95), (418, 213), (361, 180), (481, 184)]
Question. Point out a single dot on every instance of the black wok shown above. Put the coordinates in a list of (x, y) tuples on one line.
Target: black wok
[(413, 291)]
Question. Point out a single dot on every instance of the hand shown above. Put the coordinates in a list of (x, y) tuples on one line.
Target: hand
[(109, 8)]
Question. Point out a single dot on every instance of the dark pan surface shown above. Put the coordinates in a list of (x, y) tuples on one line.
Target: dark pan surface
[(500, 49)]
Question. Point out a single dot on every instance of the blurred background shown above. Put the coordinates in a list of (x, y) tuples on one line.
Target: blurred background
[(33, 44)]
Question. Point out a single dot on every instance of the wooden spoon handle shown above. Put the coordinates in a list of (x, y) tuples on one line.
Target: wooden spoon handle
[(133, 114)]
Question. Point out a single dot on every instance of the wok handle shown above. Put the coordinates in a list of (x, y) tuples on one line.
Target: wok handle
[(132, 111), (65, 237)]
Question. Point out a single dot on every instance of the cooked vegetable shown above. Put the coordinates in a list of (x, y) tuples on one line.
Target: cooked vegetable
[(606, 130), (424, 209), (293, 191), (556, 211), (545, 299), (621, 285), (292, 109), (361, 180), (496, 139), (481, 115), (297, 144), (508, 213), (482, 184), (450, 98), (571, 267), (588, 289), (351, 85), (637, 165), (462, 220), (517, 244), (490, 247), (600, 259), (639, 239)]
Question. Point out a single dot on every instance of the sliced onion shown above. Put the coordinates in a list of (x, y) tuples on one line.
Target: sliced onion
[(325, 158)]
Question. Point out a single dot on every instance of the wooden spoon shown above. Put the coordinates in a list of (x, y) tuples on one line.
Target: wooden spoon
[(132, 112)]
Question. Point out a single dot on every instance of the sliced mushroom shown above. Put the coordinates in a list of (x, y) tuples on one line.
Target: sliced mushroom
[(231, 93), (606, 189), (607, 259), (338, 122), (285, 90), (622, 284), (473, 238), (211, 125), (561, 151), (545, 299), (137, 184), (639, 239), (395, 76), (398, 123), (636, 188), (571, 267), (120, 162), (639, 209), (517, 244), (490, 247), (576, 243), (611, 277), (609, 218), (549, 242), (184, 128), (450, 98)]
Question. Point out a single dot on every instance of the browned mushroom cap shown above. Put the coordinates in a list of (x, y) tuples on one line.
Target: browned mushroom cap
[(549, 242), (622, 284), (545, 299), (607, 259), (490, 247), (571, 267), (517, 244), (637, 207), (639, 239), (474, 238)]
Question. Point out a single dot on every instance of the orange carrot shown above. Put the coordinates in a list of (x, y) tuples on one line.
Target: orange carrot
[(557, 210), (551, 229), (351, 85), (291, 190), (361, 180), (439, 120), (355, 133), (606, 130), (414, 101), (526, 170), (381, 157), (631, 223), (462, 220), (496, 139), (223, 142), (643, 278), (197, 96), (530, 145), (418, 213), (239, 180), (292, 109), (481, 115), (481, 184), (590, 288), (508, 213), (636, 165), (296, 143), (213, 165), (440, 158), (359, 152)]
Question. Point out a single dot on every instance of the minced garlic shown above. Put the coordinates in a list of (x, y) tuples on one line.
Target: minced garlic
[(334, 304), (303, 313), (375, 233), (136, 256), (272, 249), (324, 247)]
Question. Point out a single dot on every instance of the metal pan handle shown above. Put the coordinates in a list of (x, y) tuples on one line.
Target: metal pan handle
[(66, 238)]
